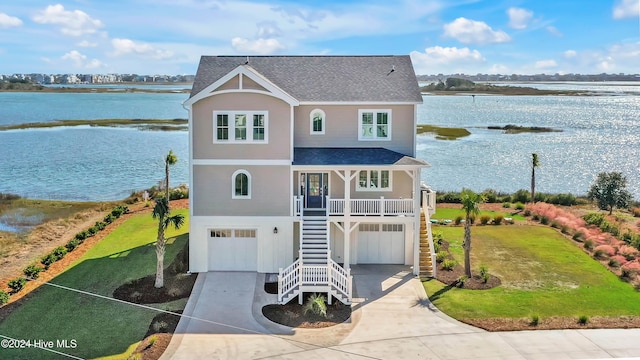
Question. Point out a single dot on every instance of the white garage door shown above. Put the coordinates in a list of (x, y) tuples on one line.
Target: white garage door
[(381, 244), (233, 250)]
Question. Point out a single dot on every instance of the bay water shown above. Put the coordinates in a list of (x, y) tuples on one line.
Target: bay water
[(599, 133)]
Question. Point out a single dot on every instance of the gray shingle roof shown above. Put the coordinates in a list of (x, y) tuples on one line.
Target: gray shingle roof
[(352, 156), (324, 78)]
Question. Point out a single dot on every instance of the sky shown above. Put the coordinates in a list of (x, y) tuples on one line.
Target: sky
[(441, 36)]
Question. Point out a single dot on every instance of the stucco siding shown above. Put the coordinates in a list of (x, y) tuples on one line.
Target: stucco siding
[(278, 127), (212, 190), (341, 127)]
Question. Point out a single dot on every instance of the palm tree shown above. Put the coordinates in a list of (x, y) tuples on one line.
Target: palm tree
[(161, 212), (470, 201), (170, 160), (534, 164)]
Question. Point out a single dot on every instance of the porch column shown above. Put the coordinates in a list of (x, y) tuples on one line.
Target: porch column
[(347, 219)]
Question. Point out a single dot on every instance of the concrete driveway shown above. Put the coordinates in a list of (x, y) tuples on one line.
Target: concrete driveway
[(392, 319)]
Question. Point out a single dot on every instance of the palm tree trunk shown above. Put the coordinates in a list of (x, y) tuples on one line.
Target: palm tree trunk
[(533, 184), (467, 247), (166, 186), (160, 249)]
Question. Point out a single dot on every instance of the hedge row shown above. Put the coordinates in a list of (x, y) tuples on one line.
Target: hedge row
[(32, 271), (522, 196)]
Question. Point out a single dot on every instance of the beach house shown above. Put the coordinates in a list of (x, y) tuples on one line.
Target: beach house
[(302, 166)]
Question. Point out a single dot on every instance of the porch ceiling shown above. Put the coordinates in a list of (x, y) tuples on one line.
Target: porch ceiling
[(352, 156)]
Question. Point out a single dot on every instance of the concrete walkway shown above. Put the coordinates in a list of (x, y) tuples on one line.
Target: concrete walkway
[(392, 319)]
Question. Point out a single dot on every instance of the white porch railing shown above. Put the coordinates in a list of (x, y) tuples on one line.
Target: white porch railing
[(293, 279), (380, 206), (298, 202), (428, 199)]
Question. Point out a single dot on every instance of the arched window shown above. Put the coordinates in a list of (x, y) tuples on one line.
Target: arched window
[(317, 122), (241, 188)]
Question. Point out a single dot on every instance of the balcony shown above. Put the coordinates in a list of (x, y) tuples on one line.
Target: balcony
[(362, 207)]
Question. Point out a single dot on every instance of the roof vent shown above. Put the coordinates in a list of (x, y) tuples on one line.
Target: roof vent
[(393, 68), (247, 61)]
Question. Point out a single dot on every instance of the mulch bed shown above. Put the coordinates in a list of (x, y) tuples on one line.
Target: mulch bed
[(556, 323), (158, 336), (451, 277), (292, 315)]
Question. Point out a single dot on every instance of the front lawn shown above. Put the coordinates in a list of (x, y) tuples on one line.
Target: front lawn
[(542, 274), (100, 327)]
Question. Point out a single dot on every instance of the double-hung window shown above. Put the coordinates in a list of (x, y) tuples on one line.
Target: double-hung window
[(374, 124), (374, 180), (240, 126)]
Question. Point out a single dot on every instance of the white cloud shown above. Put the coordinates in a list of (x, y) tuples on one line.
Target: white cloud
[(86, 43), (545, 64), (626, 9), (499, 69), (554, 31), (268, 29), (73, 23), (128, 47), (445, 60), (81, 60), (259, 46), (570, 54), (519, 17), (7, 21), (474, 32)]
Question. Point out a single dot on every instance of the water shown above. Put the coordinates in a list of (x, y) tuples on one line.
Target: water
[(88, 163), (600, 133)]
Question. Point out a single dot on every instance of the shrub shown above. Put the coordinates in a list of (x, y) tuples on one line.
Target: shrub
[(152, 340), (555, 224), (448, 197), (72, 244), (535, 320), (4, 297), (179, 193), (497, 219), (506, 205), (606, 249), (630, 270), (92, 230), (506, 198), (635, 211), (490, 196), (48, 259), (563, 199), (613, 262), (535, 217), (629, 252), (522, 196), (109, 218), (565, 229), (458, 219), (59, 252), (100, 225), (449, 264), (544, 220), (583, 320), (160, 326), (578, 236), (32, 271), (119, 210), (438, 237), (82, 235), (461, 280), (594, 218), (316, 304), (484, 273), (588, 244), (520, 206), (472, 219), (17, 284), (484, 219), (441, 256)]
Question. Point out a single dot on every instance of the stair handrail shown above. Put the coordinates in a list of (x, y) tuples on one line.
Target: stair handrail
[(288, 279), (341, 279)]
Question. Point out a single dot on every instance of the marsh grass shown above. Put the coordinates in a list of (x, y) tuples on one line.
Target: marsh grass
[(443, 133)]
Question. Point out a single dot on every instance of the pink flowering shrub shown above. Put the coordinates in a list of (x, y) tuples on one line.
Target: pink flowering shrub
[(605, 249), (619, 259), (629, 252)]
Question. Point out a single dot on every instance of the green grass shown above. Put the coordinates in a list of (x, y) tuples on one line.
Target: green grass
[(542, 273), (443, 133), (100, 327), (451, 213)]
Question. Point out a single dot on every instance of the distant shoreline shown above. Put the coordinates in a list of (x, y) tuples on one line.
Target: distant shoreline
[(142, 124), (93, 88)]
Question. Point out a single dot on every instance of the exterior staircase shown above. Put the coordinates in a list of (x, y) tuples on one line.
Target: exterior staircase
[(427, 254), (314, 270), (315, 240)]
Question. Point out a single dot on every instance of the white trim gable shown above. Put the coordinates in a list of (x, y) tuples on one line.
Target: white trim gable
[(241, 71)]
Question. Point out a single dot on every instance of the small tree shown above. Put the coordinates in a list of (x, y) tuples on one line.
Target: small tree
[(534, 164), (470, 204), (161, 212), (610, 191)]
